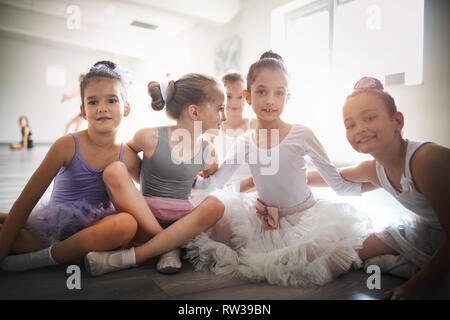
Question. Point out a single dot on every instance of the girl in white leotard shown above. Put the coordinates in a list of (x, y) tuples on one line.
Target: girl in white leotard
[(286, 236)]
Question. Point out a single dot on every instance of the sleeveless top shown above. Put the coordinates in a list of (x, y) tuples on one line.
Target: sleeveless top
[(165, 177), (410, 197), (78, 181), (30, 138)]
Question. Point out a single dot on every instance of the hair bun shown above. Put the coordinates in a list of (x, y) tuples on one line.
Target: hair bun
[(109, 64), (271, 54), (368, 83), (154, 91)]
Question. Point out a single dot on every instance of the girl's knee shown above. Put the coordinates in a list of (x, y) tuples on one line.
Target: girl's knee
[(114, 174), (214, 207), (125, 226)]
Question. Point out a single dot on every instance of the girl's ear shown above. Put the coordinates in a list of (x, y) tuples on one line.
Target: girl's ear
[(193, 111), (399, 121), (126, 109), (248, 97), (83, 112)]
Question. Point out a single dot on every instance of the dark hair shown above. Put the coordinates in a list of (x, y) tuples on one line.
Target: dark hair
[(268, 59), (102, 69), (192, 88), (232, 77), (373, 86)]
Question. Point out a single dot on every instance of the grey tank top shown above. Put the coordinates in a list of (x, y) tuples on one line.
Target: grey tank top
[(162, 177)]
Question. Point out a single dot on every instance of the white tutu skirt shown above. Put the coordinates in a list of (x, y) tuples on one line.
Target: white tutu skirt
[(414, 239), (310, 247), (54, 222)]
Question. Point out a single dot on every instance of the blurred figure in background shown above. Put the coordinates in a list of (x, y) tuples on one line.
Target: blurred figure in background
[(27, 139)]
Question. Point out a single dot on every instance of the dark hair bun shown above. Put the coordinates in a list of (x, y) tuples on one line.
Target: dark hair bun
[(271, 54), (107, 63), (154, 91)]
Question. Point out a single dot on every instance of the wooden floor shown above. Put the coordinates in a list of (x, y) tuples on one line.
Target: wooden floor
[(145, 282)]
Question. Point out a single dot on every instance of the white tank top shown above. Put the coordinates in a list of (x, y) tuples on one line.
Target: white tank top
[(410, 197)]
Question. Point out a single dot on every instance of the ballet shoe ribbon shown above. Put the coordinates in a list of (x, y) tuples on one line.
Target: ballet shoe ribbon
[(269, 215)]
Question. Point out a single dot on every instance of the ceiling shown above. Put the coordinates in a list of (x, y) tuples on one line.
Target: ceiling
[(127, 27)]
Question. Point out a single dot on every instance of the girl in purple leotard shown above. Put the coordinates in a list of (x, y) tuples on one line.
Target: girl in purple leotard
[(79, 216)]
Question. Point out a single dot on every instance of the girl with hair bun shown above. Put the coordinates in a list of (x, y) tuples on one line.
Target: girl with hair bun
[(172, 158), (417, 174), (283, 235), (79, 216)]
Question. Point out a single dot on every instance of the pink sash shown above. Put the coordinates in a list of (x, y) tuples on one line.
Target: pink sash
[(270, 216)]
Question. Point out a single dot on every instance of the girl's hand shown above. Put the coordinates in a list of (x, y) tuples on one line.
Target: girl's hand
[(209, 171)]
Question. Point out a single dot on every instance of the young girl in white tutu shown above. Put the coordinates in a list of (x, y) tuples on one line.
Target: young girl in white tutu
[(79, 216), (286, 236), (415, 173)]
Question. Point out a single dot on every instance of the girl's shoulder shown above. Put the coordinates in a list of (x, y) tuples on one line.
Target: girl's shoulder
[(146, 135), (145, 140), (301, 131), (430, 160), (64, 147), (147, 132)]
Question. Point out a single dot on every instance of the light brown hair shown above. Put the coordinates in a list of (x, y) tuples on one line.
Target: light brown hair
[(192, 88)]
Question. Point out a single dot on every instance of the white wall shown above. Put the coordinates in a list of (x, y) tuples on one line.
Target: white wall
[(426, 107), (23, 89)]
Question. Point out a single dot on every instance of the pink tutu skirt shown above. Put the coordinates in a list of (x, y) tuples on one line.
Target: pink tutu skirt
[(167, 210), (54, 222)]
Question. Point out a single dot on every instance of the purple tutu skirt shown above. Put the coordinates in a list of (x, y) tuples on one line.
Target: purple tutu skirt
[(54, 222)]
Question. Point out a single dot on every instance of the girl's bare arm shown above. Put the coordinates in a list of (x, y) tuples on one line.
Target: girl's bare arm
[(56, 157), (144, 140), (430, 167)]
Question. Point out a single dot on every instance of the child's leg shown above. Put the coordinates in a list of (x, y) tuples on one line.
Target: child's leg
[(373, 247), (109, 233), (126, 197), (25, 242), (16, 145), (200, 219)]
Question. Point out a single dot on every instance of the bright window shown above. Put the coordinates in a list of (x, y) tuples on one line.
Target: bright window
[(330, 44)]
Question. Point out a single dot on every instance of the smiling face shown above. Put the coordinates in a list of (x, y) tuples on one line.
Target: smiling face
[(103, 104), (369, 126), (268, 94), (212, 113), (235, 99)]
